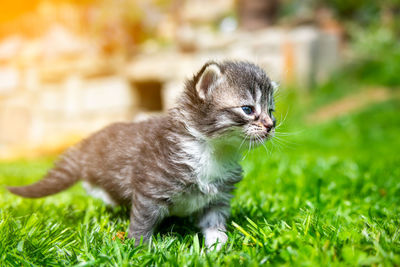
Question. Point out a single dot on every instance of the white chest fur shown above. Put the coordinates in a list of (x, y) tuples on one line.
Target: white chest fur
[(211, 159), (211, 163)]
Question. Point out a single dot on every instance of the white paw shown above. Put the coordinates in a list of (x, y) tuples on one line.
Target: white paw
[(215, 236)]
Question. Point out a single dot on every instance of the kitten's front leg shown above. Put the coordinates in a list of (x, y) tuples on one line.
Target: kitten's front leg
[(145, 215), (212, 223)]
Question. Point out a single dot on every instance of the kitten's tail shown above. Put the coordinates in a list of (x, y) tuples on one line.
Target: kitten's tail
[(65, 174)]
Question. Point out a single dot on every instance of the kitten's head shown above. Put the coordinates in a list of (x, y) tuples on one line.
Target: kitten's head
[(231, 98)]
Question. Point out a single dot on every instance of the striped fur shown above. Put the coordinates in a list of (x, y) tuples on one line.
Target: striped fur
[(182, 163)]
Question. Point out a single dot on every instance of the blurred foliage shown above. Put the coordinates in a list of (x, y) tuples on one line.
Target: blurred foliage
[(377, 53), (375, 62), (372, 29), (362, 11)]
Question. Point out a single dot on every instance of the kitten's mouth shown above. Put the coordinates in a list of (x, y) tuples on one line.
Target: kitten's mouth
[(262, 137)]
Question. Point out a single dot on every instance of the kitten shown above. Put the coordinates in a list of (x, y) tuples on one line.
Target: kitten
[(182, 163)]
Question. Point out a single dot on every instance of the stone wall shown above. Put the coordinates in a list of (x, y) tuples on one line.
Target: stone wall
[(48, 119)]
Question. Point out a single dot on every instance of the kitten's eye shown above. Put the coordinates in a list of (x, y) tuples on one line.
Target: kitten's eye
[(248, 110)]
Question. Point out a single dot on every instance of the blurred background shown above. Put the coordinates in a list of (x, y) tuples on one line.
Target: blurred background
[(69, 67)]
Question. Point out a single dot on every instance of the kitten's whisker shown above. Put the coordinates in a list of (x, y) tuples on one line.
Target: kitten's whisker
[(280, 138), (285, 141), (285, 133), (279, 144), (251, 145), (244, 139), (269, 150), (274, 145), (248, 149), (284, 119), (266, 149), (280, 141)]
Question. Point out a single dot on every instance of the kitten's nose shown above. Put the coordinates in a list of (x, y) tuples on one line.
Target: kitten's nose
[(268, 123)]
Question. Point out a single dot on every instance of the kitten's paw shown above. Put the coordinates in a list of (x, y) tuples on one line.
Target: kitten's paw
[(215, 237)]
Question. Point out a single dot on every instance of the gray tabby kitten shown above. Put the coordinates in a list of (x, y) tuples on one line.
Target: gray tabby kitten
[(182, 163)]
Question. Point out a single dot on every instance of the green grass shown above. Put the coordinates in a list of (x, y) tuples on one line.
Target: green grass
[(328, 195)]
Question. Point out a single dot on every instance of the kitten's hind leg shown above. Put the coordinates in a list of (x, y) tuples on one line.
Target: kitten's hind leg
[(145, 215), (99, 193)]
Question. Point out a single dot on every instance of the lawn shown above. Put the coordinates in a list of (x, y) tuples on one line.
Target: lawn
[(323, 194)]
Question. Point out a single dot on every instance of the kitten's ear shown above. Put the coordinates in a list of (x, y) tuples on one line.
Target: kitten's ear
[(208, 80)]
